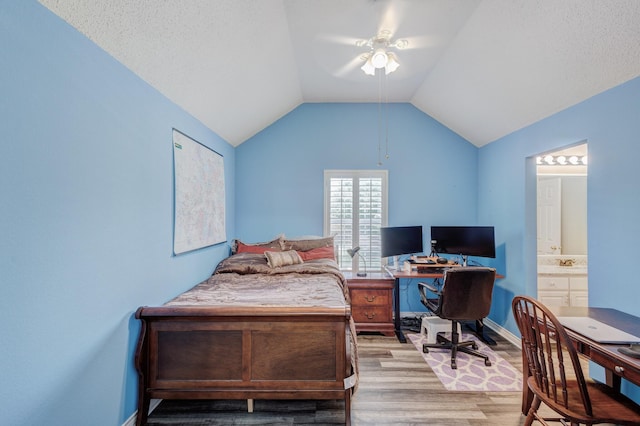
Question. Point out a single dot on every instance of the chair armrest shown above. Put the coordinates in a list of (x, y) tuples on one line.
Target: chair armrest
[(423, 286)]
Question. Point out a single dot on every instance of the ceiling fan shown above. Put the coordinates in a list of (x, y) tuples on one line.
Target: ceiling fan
[(380, 51), (379, 55)]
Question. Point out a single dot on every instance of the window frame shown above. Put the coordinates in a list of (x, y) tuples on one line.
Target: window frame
[(355, 175)]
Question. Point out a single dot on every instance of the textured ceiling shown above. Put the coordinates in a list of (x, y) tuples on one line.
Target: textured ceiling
[(482, 68)]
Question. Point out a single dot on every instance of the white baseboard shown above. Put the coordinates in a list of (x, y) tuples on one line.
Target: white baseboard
[(131, 421), (506, 334), (413, 314)]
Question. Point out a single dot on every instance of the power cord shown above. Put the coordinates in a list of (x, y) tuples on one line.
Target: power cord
[(412, 324)]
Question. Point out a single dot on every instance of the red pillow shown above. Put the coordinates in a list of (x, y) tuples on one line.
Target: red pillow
[(245, 248), (318, 253)]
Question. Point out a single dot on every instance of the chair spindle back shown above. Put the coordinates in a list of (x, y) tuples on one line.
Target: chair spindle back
[(550, 355)]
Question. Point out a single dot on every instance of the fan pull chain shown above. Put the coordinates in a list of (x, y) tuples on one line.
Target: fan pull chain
[(386, 92), (380, 119)]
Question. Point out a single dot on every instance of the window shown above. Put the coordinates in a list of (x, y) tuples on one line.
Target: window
[(355, 208)]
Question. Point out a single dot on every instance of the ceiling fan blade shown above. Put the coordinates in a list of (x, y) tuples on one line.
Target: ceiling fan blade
[(390, 18), (347, 68), (338, 39), (419, 42)]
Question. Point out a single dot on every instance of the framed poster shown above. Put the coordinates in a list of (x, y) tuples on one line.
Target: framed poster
[(199, 197)]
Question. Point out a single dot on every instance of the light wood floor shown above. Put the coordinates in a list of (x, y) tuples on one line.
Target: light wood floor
[(396, 388)]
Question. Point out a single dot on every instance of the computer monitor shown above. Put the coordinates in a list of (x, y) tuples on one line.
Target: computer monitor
[(398, 240), (464, 240)]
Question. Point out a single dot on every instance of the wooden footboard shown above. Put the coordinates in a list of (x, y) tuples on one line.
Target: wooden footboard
[(191, 352)]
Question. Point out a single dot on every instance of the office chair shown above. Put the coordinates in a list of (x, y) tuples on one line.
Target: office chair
[(556, 378), (465, 295)]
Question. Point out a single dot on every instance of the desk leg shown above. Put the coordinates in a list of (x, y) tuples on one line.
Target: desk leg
[(397, 321), (479, 331)]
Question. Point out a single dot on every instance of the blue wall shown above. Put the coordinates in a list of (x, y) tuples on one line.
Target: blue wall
[(610, 124), (86, 225), (279, 184), (279, 180)]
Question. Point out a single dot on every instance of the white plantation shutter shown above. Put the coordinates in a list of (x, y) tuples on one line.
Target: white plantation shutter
[(355, 209)]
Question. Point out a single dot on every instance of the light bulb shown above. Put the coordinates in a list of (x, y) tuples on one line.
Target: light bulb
[(379, 58)]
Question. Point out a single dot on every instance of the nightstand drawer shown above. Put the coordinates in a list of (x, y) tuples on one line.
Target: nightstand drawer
[(363, 314), (366, 297)]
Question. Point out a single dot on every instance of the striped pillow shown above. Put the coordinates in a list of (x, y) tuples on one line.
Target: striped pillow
[(276, 259)]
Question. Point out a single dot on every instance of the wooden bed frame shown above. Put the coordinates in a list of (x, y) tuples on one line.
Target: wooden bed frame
[(217, 352)]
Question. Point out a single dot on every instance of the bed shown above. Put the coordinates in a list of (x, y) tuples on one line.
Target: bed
[(256, 329)]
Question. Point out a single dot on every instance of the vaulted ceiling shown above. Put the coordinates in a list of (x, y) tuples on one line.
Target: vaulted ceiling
[(483, 68)]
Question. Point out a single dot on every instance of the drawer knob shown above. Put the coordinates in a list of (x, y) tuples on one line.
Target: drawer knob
[(370, 315), (619, 369), (370, 298)]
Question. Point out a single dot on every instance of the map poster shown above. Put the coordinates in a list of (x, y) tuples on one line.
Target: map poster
[(199, 209)]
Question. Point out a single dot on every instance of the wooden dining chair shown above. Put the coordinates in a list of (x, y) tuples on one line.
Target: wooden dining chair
[(555, 377)]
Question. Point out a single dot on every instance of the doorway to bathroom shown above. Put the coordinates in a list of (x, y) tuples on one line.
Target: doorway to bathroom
[(562, 263)]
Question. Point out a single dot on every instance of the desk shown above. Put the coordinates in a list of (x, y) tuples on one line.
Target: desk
[(436, 273), (617, 366)]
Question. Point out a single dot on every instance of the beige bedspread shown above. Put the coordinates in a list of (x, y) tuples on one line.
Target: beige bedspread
[(246, 280)]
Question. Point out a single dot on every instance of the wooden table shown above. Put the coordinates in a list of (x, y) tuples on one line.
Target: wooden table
[(617, 366), (432, 272)]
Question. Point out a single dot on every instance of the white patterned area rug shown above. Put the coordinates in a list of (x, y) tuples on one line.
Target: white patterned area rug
[(471, 374)]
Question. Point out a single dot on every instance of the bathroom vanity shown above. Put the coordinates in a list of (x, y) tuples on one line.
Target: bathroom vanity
[(563, 280)]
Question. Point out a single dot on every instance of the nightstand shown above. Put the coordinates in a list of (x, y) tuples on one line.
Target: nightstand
[(372, 301)]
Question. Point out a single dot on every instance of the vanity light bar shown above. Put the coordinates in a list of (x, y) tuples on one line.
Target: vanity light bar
[(561, 160)]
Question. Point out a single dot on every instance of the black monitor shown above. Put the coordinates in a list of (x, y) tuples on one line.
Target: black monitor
[(464, 240), (400, 240)]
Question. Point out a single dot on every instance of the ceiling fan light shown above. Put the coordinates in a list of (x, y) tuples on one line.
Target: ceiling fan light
[(392, 64), (379, 58), (368, 67)]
